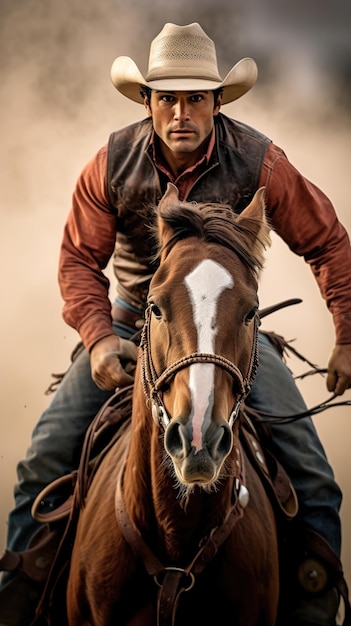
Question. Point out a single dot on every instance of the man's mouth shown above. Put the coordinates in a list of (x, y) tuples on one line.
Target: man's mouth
[(181, 131)]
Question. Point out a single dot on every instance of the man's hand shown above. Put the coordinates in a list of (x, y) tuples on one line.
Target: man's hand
[(109, 359), (339, 369)]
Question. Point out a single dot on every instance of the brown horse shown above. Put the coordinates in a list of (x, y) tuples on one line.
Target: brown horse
[(177, 527)]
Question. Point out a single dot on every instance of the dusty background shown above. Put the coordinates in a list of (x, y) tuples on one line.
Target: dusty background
[(58, 107)]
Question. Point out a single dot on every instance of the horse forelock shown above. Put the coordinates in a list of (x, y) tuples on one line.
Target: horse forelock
[(213, 223)]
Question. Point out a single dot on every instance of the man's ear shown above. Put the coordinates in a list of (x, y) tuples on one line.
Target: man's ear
[(217, 104), (147, 106)]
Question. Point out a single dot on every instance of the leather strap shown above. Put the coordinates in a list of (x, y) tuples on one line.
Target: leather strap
[(275, 478), (36, 561), (169, 595), (172, 581), (64, 509)]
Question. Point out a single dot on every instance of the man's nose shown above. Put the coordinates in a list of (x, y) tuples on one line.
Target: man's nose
[(181, 110)]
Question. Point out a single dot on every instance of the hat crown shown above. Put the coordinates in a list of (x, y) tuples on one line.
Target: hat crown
[(182, 52)]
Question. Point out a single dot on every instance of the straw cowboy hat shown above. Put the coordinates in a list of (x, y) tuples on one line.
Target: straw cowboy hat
[(183, 58)]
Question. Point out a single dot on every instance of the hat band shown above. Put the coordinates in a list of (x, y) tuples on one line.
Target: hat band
[(180, 74)]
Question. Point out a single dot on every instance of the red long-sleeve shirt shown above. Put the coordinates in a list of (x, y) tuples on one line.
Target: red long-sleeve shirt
[(299, 212)]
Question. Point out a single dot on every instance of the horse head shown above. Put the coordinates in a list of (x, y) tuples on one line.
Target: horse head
[(199, 342)]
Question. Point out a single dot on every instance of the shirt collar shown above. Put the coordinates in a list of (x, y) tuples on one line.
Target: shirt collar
[(161, 163)]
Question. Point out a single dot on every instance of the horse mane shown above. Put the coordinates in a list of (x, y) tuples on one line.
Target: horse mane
[(216, 223)]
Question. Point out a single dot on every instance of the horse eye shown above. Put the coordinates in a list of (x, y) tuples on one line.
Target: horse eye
[(155, 311), (251, 315)]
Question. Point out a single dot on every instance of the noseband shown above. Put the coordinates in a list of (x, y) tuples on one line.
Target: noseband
[(153, 383)]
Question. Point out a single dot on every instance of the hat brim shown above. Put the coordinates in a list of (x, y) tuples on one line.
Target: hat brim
[(127, 79)]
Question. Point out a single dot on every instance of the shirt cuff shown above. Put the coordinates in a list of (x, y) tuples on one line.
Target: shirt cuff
[(95, 328)]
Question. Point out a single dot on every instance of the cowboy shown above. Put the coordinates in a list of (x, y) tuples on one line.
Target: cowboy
[(185, 139)]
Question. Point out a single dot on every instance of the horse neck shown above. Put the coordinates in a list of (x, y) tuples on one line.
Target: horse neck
[(137, 484), (167, 519)]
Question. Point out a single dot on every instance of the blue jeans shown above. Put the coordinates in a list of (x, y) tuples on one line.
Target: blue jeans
[(58, 437)]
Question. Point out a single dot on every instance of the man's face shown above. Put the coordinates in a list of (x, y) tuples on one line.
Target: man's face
[(182, 119)]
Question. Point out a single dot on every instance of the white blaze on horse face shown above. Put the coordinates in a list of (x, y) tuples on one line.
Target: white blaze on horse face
[(205, 285)]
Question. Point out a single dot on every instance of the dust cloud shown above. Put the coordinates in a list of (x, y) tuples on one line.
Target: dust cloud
[(58, 107)]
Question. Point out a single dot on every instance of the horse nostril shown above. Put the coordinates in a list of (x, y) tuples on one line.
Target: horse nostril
[(223, 445), (174, 442), (177, 442)]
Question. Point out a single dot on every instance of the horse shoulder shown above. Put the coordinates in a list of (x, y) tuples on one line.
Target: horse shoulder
[(100, 558)]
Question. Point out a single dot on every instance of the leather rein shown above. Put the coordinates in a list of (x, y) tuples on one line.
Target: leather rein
[(284, 346)]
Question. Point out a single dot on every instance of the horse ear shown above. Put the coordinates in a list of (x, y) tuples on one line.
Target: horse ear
[(168, 200), (171, 195), (255, 212), (257, 206), (256, 222)]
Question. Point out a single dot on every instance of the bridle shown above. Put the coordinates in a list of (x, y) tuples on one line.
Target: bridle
[(154, 383), (173, 581)]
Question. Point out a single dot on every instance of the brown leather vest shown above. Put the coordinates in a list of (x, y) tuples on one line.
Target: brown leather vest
[(135, 187)]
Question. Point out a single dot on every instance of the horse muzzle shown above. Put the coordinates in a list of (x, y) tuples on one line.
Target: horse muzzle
[(194, 464)]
